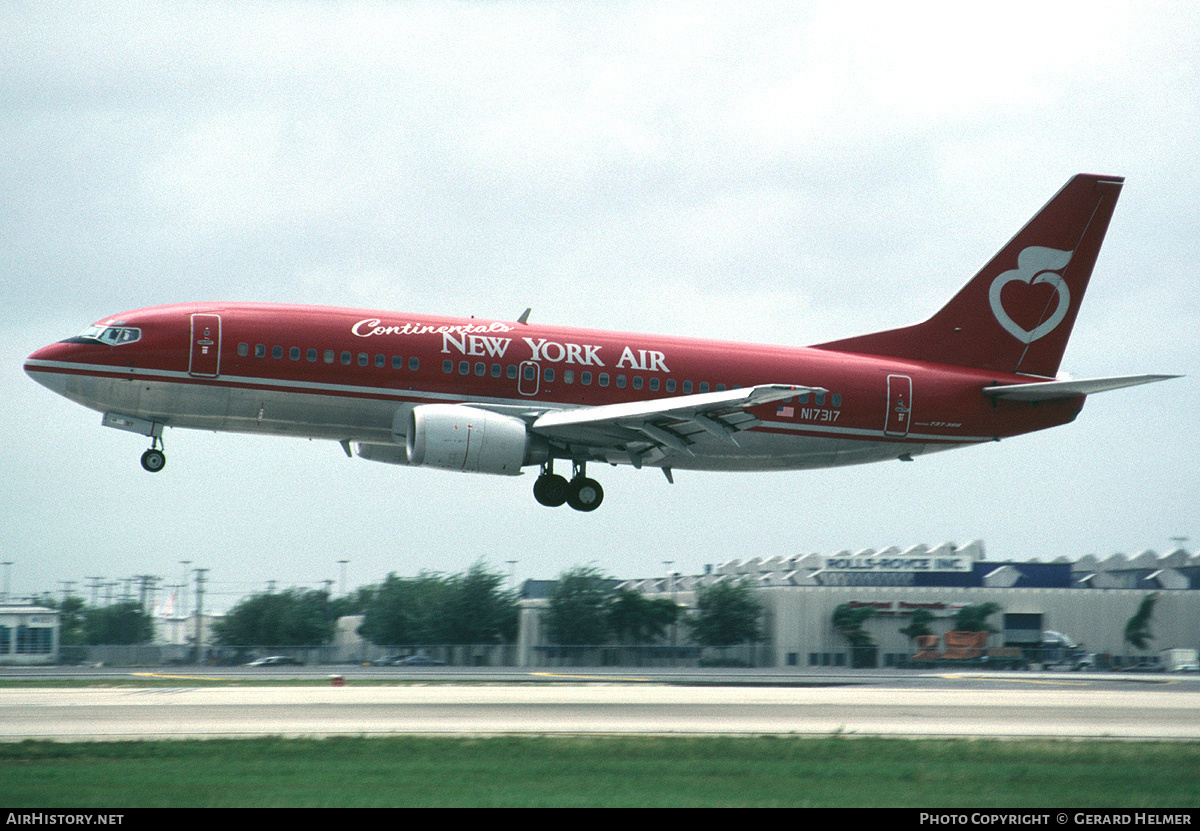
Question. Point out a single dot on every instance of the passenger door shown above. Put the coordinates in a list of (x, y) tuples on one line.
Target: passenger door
[(205, 359)]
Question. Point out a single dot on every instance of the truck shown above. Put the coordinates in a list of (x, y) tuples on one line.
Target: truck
[(1059, 651), (1179, 660)]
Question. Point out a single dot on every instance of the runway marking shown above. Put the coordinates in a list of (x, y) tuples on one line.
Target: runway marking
[(589, 677), (178, 677), (956, 676)]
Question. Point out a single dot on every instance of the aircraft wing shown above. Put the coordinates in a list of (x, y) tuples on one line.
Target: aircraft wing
[(646, 430), (1050, 390)]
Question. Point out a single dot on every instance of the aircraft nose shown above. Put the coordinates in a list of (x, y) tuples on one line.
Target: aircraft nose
[(45, 365)]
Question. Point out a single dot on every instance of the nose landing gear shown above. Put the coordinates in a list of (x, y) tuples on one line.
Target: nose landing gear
[(581, 493)]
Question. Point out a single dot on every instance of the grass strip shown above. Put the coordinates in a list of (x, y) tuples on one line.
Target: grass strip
[(347, 772)]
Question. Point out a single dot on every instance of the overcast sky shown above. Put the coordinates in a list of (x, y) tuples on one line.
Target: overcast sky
[(778, 173)]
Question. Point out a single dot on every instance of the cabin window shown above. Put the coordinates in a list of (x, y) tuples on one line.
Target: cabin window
[(464, 367), (363, 358), (568, 376), (585, 378), (670, 385), (704, 386), (687, 387), (530, 372), (720, 388), (621, 381), (835, 400), (260, 351), (414, 363), (511, 372), (497, 370), (480, 369), (346, 358), (330, 355), (654, 384), (447, 366), (312, 354), (819, 399), (637, 382), (243, 349), (603, 379), (294, 353), (397, 362), (276, 351), (381, 361), (548, 375)]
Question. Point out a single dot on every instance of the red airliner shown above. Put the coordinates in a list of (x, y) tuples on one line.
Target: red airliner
[(496, 396)]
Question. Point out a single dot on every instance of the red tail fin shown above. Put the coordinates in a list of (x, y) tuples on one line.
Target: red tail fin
[(1016, 314)]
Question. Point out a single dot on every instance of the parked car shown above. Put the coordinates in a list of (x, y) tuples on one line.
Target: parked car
[(420, 661), (275, 661)]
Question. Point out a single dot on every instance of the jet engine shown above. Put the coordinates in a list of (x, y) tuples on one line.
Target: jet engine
[(456, 437)]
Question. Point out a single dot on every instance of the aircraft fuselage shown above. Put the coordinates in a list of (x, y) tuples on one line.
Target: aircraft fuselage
[(347, 374)]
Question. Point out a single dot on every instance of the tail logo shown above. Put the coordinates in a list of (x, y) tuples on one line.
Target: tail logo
[(1035, 264)]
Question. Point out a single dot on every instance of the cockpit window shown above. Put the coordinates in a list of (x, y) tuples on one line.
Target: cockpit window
[(112, 335)]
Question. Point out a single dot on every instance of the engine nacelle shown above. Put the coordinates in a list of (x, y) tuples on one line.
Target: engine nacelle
[(457, 437)]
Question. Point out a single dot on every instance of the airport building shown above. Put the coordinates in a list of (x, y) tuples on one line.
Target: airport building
[(1090, 601), (28, 635)]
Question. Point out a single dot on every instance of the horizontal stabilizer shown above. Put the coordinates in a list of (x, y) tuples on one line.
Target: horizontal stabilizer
[(1050, 390)]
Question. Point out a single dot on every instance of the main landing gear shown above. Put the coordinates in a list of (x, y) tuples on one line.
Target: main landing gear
[(154, 459), (581, 493)]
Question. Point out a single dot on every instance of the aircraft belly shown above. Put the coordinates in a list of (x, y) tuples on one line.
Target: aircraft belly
[(305, 415), (219, 405), (98, 393)]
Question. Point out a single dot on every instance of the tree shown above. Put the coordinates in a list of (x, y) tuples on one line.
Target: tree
[(296, 617), (974, 618), (120, 623), (578, 611), (849, 620), (633, 618), (726, 614), (918, 626), (433, 608), (1137, 629), (407, 610), (355, 603), (478, 610), (71, 614)]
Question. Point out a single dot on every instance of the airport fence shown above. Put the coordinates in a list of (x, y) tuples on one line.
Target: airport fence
[(463, 655), (649, 656), (477, 655)]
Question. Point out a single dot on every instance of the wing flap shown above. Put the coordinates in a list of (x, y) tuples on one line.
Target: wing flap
[(678, 406), (647, 430)]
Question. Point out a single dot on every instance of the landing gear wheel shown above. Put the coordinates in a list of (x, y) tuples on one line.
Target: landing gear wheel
[(153, 460), (584, 494), (550, 490)]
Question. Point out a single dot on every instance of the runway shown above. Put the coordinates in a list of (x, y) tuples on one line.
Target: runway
[(1058, 707)]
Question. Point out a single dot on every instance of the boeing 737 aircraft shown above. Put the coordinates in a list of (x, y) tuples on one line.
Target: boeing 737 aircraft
[(494, 396)]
